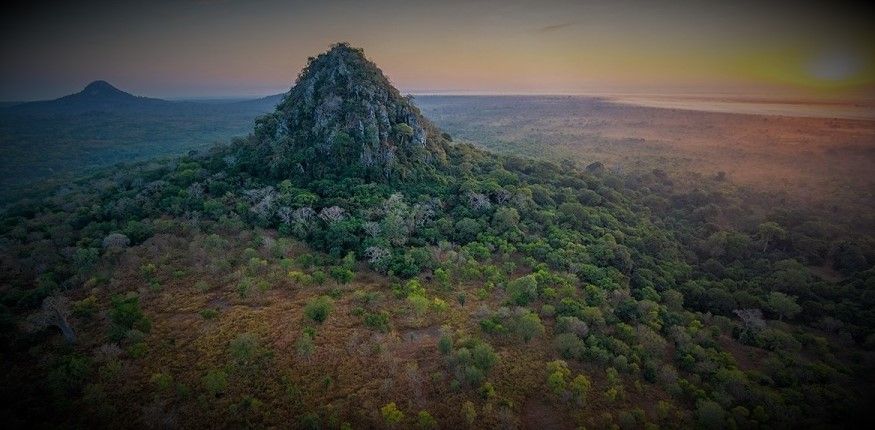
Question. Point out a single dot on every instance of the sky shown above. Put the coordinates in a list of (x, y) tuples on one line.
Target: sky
[(236, 48)]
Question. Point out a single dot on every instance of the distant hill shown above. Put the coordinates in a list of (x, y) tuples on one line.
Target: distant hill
[(99, 96), (267, 103)]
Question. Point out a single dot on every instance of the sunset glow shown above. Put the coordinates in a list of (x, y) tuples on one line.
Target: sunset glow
[(237, 48)]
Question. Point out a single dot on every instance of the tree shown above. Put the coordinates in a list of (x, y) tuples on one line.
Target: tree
[(505, 219), (243, 348), (403, 131), (55, 312), (557, 376), (469, 412), (115, 242), (768, 232), (391, 414), (215, 382), (710, 415), (580, 387), (783, 305), (752, 323), (523, 290), (528, 326), (467, 230), (425, 421)]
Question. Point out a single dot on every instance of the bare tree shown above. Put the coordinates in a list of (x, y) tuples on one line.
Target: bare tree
[(332, 214), (752, 321), (478, 201), (54, 312)]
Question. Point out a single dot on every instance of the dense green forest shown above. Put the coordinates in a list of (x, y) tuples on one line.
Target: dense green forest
[(347, 265)]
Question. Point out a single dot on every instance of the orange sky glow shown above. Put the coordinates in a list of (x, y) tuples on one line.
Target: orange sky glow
[(244, 48)]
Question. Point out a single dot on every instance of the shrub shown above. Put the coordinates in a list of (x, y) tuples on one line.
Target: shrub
[(244, 288), (469, 412), (209, 313), (523, 290), (319, 277), (202, 286), (341, 274), (426, 421), (305, 345), (318, 308), (85, 308), (557, 376), (472, 361), (138, 350), (162, 381), (569, 345), (244, 348), (391, 414), (126, 311), (483, 356), (528, 326), (580, 387), (377, 320), (125, 316), (710, 415), (445, 344), (215, 382), (487, 390), (419, 304)]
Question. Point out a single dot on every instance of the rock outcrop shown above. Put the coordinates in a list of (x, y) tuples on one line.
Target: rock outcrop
[(343, 117)]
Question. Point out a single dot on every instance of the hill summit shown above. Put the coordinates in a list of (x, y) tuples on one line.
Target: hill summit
[(343, 117)]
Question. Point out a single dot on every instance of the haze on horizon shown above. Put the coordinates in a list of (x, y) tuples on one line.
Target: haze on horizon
[(234, 48)]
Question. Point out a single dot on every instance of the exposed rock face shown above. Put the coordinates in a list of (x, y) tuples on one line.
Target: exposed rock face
[(342, 117)]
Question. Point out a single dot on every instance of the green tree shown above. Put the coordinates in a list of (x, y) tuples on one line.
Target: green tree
[(469, 412), (528, 326), (391, 414), (768, 232), (783, 305), (425, 421), (215, 382), (580, 387)]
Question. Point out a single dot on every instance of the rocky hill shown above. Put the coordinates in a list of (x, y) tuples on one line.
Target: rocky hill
[(343, 117)]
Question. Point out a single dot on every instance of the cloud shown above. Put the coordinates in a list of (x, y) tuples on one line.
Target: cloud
[(554, 27)]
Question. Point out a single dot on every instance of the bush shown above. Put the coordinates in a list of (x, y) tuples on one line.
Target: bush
[(318, 308), (528, 326), (710, 415), (378, 320), (426, 421), (557, 376), (341, 274), (244, 348), (138, 350), (215, 382), (523, 290), (390, 413), (580, 387), (305, 345), (162, 381), (569, 345)]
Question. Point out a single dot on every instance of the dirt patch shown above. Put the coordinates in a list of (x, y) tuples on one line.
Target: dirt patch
[(540, 415)]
